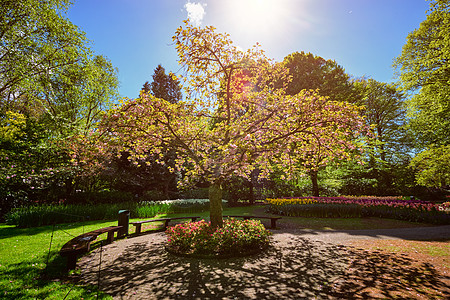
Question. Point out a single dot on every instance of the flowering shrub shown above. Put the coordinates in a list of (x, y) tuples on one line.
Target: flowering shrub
[(236, 237), (366, 206), (445, 207)]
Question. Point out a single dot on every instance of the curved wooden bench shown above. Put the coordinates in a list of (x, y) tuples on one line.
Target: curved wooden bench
[(82, 244), (273, 220), (138, 224)]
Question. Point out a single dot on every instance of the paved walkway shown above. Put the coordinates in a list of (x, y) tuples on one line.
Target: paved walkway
[(338, 236), (302, 264)]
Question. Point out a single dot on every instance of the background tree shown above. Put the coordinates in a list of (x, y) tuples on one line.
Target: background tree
[(424, 71), (50, 79), (148, 176), (146, 88), (310, 72), (32, 168), (45, 62), (390, 146), (433, 167), (165, 86), (235, 118)]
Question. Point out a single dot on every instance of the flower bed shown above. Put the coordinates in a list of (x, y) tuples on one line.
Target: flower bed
[(354, 207), (235, 238)]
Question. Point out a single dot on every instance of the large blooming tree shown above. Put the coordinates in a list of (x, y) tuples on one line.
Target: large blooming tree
[(236, 117)]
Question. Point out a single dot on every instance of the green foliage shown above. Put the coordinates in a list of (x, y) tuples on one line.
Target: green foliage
[(65, 84), (165, 86), (235, 237), (385, 113), (51, 87), (329, 79), (428, 113), (32, 168), (34, 216), (423, 67), (424, 57), (433, 167), (312, 72)]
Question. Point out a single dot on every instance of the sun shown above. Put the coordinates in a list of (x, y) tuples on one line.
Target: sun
[(256, 16)]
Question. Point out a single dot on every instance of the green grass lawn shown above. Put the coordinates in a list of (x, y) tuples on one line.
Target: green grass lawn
[(23, 262), (24, 273)]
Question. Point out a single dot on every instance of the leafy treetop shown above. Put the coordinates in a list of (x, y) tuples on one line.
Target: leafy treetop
[(236, 117)]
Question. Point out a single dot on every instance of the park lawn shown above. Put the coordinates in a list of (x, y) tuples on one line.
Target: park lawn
[(24, 252), (23, 257)]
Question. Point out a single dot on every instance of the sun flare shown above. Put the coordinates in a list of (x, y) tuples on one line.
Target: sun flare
[(257, 16)]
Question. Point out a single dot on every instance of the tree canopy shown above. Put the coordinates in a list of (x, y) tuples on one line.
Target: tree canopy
[(424, 69), (235, 117), (46, 65), (433, 167), (165, 86), (313, 72), (52, 87)]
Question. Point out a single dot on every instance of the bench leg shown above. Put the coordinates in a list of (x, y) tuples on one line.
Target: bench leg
[(110, 237), (246, 218), (166, 223), (273, 223), (71, 261), (138, 228), (88, 246), (193, 219)]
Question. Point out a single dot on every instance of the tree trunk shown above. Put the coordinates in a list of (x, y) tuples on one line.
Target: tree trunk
[(315, 185), (215, 204), (252, 194)]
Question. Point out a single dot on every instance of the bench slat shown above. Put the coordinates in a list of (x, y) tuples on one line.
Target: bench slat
[(273, 220), (138, 224), (82, 243)]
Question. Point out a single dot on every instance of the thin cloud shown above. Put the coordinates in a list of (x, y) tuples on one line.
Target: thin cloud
[(196, 12)]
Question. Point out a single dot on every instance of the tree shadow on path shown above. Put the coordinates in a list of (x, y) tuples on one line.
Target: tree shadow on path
[(140, 268)]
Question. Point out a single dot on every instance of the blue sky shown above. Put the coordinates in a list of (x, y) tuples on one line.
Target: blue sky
[(363, 36)]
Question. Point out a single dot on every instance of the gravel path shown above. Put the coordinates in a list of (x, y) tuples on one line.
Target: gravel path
[(301, 264)]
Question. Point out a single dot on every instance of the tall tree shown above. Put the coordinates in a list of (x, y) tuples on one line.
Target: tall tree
[(424, 69), (390, 144), (385, 111), (165, 86), (45, 62), (312, 72), (235, 118), (49, 78)]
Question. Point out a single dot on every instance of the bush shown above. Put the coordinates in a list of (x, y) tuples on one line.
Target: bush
[(236, 237), (39, 215), (365, 206), (35, 216)]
